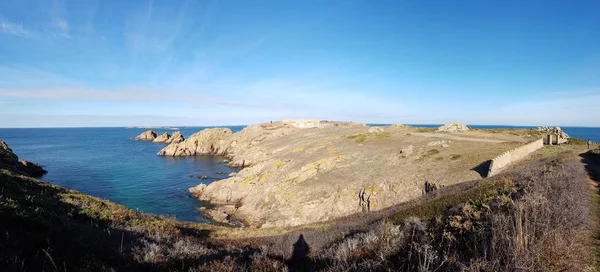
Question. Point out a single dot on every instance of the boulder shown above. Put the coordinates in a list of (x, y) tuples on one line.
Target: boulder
[(217, 216), (147, 135), (177, 137), (163, 138), (375, 130), (211, 141), (197, 190), (31, 169), (453, 127)]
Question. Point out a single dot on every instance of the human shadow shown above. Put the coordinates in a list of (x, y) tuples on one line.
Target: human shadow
[(591, 162), (483, 168), (300, 260)]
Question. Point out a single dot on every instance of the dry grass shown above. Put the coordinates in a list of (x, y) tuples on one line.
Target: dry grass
[(534, 218)]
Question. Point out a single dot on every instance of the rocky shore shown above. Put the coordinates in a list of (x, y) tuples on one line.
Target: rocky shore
[(8, 160), (298, 172)]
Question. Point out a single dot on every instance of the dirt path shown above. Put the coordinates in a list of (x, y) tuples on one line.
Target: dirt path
[(458, 138)]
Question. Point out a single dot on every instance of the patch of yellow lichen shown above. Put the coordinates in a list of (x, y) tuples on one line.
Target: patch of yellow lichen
[(329, 150), (373, 190), (297, 149), (255, 179), (343, 192), (264, 177), (278, 163), (250, 180), (371, 204)]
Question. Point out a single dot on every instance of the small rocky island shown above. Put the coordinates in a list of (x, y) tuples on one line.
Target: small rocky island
[(295, 172), (152, 136)]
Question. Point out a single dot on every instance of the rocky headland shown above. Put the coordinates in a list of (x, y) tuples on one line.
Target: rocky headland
[(304, 171), (10, 161)]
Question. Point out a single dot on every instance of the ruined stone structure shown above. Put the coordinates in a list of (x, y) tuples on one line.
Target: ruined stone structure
[(553, 136), (302, 123), (513, 155)]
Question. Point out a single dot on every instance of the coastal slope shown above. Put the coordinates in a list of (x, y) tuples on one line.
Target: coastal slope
[(295, 175)]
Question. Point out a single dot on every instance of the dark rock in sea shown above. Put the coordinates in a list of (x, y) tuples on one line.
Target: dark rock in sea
[(32, 169), (203, 177)]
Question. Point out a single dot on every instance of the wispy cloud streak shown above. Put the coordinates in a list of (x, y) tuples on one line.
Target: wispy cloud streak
[(14, 29)]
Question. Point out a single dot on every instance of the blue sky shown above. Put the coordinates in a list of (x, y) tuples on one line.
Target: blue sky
[(120, 63)]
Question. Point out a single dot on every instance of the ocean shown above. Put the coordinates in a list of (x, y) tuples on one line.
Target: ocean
[(104, 162)]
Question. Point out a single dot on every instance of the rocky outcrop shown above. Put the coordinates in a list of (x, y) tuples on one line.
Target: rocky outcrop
[(376, 130), (10, 161), (6, 155), (212, 141), (292, 176), (163, 138), (32, 169), (176, 138), (453, 127), (147, 135)]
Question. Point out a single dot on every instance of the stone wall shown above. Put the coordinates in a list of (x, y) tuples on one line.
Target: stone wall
[(513, 155)]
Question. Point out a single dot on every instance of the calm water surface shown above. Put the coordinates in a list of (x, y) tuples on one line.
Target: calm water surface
[(104, 162)]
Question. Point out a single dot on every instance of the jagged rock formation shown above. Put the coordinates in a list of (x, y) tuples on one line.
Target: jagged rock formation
[(6, 154), (147, 135), (206, 142), (453, 127), (10, 161), (177, 137), (163, 138)]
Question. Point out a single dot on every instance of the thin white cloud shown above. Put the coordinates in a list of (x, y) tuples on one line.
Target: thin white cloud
[(14, 29), (119, 95)]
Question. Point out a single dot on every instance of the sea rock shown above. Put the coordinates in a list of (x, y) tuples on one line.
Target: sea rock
[(176, 138), (10, 161), (32, 169), (163, 138), (375, 130), (197, 190), (206, 142), (147, 135), (453, 127)]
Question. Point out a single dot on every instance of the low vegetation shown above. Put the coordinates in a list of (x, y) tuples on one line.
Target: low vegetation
[(534, 218), (361, 137), (426, 129)]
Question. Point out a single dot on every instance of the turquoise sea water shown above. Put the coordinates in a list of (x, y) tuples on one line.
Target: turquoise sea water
[(104, 162)]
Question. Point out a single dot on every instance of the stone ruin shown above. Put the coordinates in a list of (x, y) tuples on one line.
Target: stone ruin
[(553, 135), (453, 127)]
